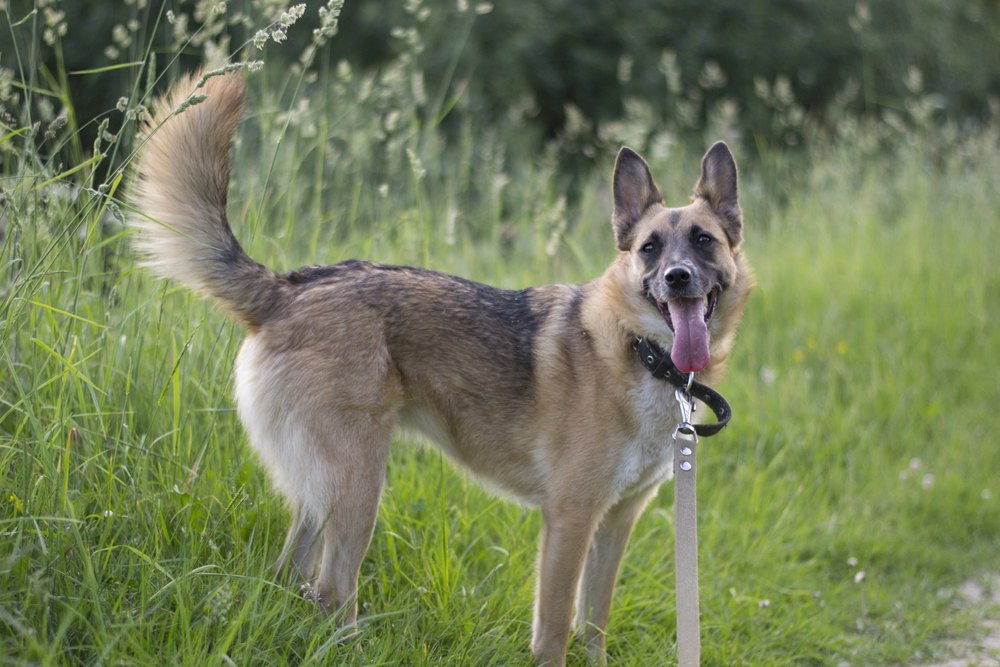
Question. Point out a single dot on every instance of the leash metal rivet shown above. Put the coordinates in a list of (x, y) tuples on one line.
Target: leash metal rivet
[(649, 359), (686, 451), (685, 465)]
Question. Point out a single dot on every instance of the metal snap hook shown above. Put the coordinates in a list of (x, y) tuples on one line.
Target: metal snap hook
[(686, 404)]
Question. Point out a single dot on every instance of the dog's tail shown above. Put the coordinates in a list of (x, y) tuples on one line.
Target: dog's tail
[(180, 192)]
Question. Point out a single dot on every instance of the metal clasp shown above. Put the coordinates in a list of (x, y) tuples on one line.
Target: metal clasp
[(685, 429)]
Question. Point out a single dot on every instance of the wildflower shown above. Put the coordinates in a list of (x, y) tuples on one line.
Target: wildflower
[(6, 82), (671, 71), (859, 576), (328, 18), (914, 80), (558, 229), (17, 503), (55, 22), (419, 92), (712, 75), (415, 164), (762, 88), (56, 124), (121, 36), (343, 70), (293, 14), (139, 113), (217, 607), (862, 17), (190, 102), (625, 64), (180, 31), (449, 227), (102, 135)]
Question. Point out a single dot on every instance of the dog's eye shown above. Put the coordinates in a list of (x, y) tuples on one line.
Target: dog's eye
[(648, 248), (703, 239)]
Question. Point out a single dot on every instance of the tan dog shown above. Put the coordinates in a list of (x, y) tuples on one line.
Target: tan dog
[(537, 392)]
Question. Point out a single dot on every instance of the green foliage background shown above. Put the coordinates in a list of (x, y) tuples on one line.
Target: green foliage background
[(772, 68)]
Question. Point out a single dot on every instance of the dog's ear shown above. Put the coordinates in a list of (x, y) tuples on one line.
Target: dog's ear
[(634, 191), (717, 186)]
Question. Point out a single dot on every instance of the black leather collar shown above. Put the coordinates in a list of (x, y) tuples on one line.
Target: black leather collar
[(660, 366)]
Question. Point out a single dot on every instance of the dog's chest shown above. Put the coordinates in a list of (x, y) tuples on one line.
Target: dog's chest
[(647, 457)]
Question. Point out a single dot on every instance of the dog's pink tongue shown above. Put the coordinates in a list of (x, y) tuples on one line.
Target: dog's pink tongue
[(690, 350)]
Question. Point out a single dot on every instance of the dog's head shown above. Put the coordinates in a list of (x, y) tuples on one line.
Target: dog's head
[(684, 267)]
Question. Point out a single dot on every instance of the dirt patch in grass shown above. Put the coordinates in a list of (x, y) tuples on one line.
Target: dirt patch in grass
[(983, 649)]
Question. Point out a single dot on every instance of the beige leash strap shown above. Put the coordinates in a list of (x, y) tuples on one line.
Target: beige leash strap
[(686, 536)]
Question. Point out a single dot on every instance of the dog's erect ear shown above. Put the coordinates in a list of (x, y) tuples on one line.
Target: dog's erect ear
[(635, 191), (717, 186)]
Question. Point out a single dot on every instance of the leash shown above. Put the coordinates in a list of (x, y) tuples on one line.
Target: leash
[(685, 437), (686, 534)]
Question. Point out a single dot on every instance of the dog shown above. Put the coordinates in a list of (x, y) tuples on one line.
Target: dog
[(536, 392)]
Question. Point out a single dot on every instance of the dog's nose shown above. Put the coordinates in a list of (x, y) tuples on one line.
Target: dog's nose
[(677, 276)]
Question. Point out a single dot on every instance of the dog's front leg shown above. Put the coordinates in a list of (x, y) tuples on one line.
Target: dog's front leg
[(566, 534), (597, 584)]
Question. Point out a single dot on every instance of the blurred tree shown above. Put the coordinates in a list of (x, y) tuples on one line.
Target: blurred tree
[(774, 65)]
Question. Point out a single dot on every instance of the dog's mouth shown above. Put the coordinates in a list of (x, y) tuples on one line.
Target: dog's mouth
[(688, 319)]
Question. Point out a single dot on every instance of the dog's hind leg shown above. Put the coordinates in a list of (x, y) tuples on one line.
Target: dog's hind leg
[(355, 490), (297, 561), (320, 420)]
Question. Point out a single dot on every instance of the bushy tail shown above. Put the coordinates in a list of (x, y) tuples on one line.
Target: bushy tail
[(180, 193)]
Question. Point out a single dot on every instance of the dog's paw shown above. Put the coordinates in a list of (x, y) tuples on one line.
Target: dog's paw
[(309, 592)]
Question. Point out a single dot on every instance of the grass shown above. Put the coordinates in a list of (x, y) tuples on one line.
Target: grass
[(855, 489)]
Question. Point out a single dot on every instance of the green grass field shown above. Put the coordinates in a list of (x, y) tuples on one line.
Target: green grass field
[(855, 490)]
